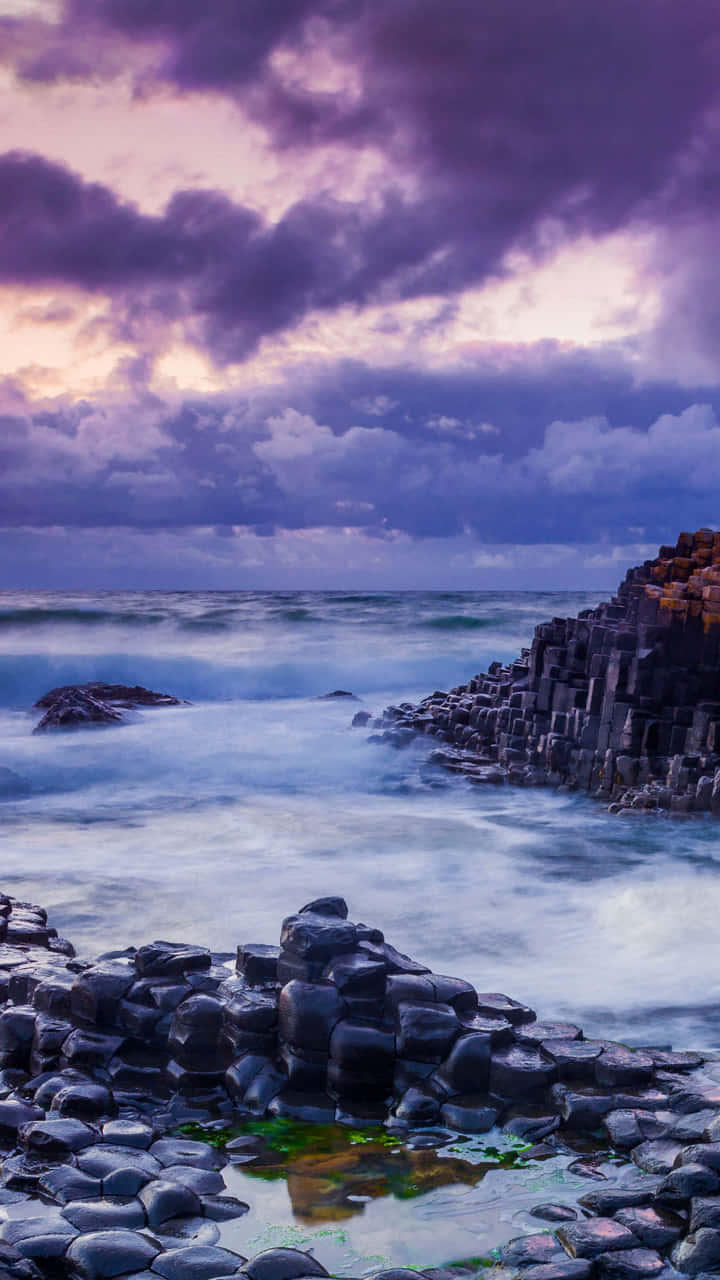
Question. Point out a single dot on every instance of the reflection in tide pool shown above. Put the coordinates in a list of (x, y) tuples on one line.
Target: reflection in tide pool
[(213, 821), (361, 1200)]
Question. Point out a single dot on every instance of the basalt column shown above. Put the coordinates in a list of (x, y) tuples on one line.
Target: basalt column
[(623, 700)]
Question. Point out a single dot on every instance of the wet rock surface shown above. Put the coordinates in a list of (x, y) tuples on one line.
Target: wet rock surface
[(102, 1061), (76, 706), (622, 701)]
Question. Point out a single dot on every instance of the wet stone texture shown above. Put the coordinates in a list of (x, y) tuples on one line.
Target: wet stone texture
[(102, 1061), (622, 701)]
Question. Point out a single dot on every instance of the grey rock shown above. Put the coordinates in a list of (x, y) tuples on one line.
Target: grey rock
[(534, 1034), (84, 1102), (171, 959), (520, 1073), (163, 1199), (363, 1046), (466, 1068), (531, 1250), (196, 1263), (94, 704), (57, 1136), (698, 1252), (307, 1014), (618, 1066), (105, 1214), (630, 1264), (312, 1108), (223, 1208), (575, 1059), (87, 1050), (562, 1269), (104, 1160), (657, 1228), (494, 1003), (425, 1033), (204, 1182), (688, 1180), (656, 1157), (13, 1115), (258, 962), (128, 1133), (101, 1255), (186, 1151), (417, 1107), (598, 1235), (705, 1153), (283, 1264), (48, 1221), (554, 1212), (66, 1183), (705, 1212), (316, 936), (178, 1233), (469, 1113)]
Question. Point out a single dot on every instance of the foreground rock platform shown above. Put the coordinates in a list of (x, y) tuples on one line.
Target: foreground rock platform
[(622, 701), (102, 1060)]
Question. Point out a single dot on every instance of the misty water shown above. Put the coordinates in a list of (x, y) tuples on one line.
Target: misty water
[(212, 821)]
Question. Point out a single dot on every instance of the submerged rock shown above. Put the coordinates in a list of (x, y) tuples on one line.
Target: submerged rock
[(75, 706)]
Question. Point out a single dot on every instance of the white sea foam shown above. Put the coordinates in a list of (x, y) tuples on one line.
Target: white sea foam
[(213, 821)]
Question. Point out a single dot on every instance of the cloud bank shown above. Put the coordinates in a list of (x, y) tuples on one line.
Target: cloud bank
[(434, 151)]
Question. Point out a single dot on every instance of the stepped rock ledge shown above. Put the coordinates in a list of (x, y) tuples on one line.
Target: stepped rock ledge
[(622, 701), (103, 1061)]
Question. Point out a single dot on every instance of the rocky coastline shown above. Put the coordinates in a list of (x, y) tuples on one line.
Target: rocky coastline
[(101, 1062), (622, 701)]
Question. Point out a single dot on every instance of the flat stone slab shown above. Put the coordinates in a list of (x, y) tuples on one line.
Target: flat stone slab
[(599, 1235)]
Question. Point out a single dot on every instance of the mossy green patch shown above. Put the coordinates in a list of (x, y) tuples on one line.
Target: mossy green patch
[(293, 1138)]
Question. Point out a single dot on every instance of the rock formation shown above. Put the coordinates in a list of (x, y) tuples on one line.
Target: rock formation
[(100, 1060), (75, 706), (622, 701)]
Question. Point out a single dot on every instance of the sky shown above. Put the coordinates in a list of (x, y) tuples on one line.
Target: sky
[(356, 293)]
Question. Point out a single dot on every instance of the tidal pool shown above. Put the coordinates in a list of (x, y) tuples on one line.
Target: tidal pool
[(361, 1200)]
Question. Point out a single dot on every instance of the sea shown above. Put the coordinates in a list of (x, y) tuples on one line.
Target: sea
[(212, 821)]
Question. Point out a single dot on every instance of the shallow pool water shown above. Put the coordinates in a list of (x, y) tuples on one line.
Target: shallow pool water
[(360, 1200)]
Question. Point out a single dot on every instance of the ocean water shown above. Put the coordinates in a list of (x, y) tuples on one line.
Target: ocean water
[(214, 820)]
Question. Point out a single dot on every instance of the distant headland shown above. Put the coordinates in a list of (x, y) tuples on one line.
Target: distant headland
[(622, 701)]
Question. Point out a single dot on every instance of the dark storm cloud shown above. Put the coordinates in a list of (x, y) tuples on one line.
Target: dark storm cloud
[(557, 94), (204, 257), (213, 263), (504, 115), (223, 44), (505, 125)]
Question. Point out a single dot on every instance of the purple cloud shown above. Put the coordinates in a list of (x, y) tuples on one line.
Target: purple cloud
[(268, 465), (505, 126), (570, 110), (213, 262)]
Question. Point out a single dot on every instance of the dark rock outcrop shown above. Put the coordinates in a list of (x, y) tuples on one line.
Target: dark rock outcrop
[(100, 1062), (622, 701), (75, 706)]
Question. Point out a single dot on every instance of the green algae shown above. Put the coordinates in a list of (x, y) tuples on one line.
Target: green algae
[(290, 1138), (332, 1170), (293, 1139), (354, 1194)]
